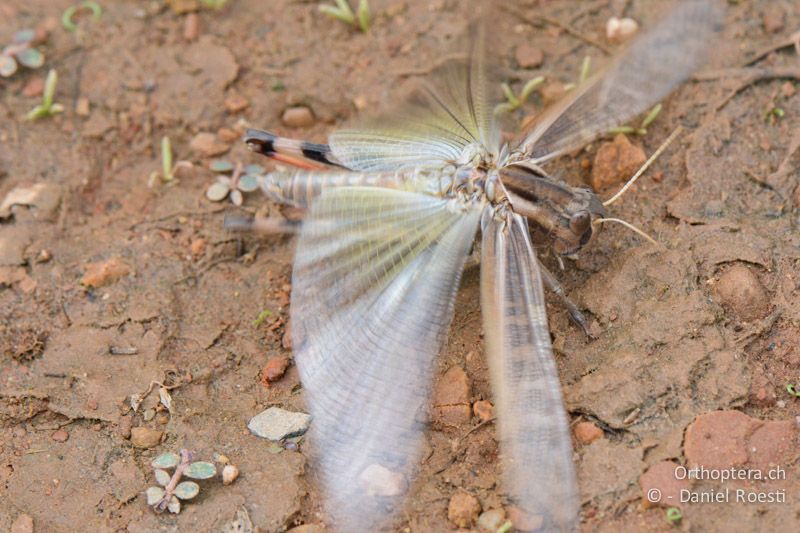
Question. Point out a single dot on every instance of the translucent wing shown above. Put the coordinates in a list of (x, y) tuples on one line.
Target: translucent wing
[(443, 116), (651, 67), (375, 280), (532, 423)]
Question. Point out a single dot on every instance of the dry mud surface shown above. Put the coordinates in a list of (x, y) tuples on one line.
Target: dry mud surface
[(700, 333)]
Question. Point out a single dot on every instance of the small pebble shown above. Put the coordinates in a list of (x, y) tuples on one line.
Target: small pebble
[(615, 162), (124, 427), (378, 480), (587, 432), (277, 424), (207, 145), (162, 419), (104, 272), (229, 474), (274, 369), (741, 290), (60, 435), (297, 117), (235, 103), (144, 437), (92, 404), (198, 246), (483, 410), (620, 30), (528, 56), (463, 509), (191, 27), (44, 256), (82, 107), (490, 521)]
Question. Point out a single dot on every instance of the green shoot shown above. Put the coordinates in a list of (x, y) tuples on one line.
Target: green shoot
[(791, 389), (513, 101), (166, 159), (641, 130), (343, 12), (505, 528), (214, 4), (674, 516), (583, 76), (262, 316), (69, 13), (775, 113), (47, 108)]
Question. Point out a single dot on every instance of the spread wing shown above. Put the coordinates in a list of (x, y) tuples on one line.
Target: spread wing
[(374, 284), (446, 114), (532, 423), (650, 68)]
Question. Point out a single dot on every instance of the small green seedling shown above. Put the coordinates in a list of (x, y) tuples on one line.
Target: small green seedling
[(342, 11), (47, 108), (791, 389), (583, 76), (242, 179), (641, 130), (168, 496), (774, 114), (168, 169), (214, 4), (20, 52), (506, 527), (514, 102), (262, 316), (69, 14), (674, 516)]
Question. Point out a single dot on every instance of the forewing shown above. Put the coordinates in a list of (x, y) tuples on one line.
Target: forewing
[(650, 68), (532, 422), (451, 110), (374, 285)]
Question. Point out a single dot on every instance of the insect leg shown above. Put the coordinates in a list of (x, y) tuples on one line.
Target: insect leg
[(268, 226), (575, 314), (301, 154)]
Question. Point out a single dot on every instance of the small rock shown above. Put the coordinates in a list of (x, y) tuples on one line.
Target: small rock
[(740, 289), (360, 103), (229, 474), (162, 419), (772, 17), (235, 103), (60, 435), (44, 256), (297, 117), (82, 107), (92, 404), (198, 246), (228, 135), (587, 432), (616, 162), (523, 521), (191, 27), (718, 439), (104, 272), (552, 92), (788, 89), (490, 521), (451, 397), (377, 480), (483, 410), (286, 341), (34, 87), (463, 509), (144, 437), (528, 56), (276, 424), (23, 524), (662, 477), (274, 369), (620, 30), (207, 145)]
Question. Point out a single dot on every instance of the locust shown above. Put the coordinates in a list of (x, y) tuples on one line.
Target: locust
[(392, 209)]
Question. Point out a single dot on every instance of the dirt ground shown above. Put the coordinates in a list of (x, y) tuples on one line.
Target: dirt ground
[(706, 324)]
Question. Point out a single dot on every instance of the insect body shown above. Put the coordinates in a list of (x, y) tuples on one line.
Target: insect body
[(393, 208)]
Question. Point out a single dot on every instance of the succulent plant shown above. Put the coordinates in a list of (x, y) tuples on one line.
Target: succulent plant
[(20, 52), (242, 179), (171, 490)]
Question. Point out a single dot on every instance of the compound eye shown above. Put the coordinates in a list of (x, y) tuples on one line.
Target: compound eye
[(580, 222)]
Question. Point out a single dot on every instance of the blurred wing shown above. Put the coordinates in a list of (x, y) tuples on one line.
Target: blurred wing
[(532, 423), (443, 116), (374, 285), (651, 67)]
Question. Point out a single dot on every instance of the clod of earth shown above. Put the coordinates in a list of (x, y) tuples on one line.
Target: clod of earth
[(463, 509), (297, 117), (206, 144), (587, 432), (451, 398), (615, 162), (144, 437), (741, 290), (483, 410), (276, 424), (105, 272), (490, 521), (528, 56)]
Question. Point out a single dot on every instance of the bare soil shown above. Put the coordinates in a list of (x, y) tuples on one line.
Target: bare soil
[(672, 344)]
